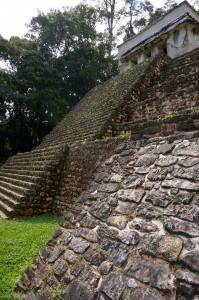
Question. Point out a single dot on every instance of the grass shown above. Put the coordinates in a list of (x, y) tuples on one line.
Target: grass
[(20, 242)]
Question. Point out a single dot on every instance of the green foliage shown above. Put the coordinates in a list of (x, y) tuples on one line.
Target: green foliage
[(57, 292), (185, 201), (48, 72), (20, 242), (125, 134)]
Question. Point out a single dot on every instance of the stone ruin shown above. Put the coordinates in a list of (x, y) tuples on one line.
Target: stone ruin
[(122, 169), (176, 33)]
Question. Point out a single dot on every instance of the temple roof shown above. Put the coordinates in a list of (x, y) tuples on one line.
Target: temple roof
[(184, 12)]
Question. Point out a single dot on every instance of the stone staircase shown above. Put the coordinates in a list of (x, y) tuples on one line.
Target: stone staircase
[(176, 89), (171, 103), (151, 92), (89, 119), (21, 178), (28, 181)]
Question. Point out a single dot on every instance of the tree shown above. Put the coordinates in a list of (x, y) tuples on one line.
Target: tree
[(73, 46), (158, 12), (49, 71), (30, 94)]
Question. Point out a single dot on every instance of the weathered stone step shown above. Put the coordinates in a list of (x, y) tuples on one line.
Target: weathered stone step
[(84, 120), (15, 166), (17, 182), (25, 166), (34, 156), (20, 177), (9, 201), (161, 126), (28, 163), (15, 196), (23, 163), (76, 137), (3, 215), (77, 131), (13, 187), (165, 79), (186, 96), (182, 65), (32, 159), (6, 209), (76, 126), (16, 172), (80, 121), (179, 77), (40, 151), (171, 86), (83, 129)]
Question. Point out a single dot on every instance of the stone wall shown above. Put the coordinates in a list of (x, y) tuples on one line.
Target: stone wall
[(168, 91), (169, 124), (80, 166), (123, 112), (133, 234)]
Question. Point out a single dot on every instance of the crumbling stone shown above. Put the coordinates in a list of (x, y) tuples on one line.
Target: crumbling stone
[(57, 252), (146, 294), (77, 291), (113, 286), (148, 271), (182, 227), (78, 245), (191, 260)]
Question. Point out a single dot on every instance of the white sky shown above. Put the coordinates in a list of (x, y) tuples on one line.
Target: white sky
[(14, 14)]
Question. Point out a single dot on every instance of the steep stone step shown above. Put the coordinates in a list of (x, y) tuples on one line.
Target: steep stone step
[(17, 182), (177, 69), (12, 194), (41, 151), (9, 201), (179, 78), (29, 164), (24, 167), (161, 105), (75, 138), (33, 158), (165, 125), (37, 159), (26, 178), (169, 90), (15, 172), (13, 187), (3, 215), (78, 133), (6, 209)]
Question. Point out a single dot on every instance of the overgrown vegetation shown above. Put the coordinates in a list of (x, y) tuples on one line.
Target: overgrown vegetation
[(20, 242)]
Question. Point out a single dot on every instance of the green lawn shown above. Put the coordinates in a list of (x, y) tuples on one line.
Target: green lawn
[(20, 242)]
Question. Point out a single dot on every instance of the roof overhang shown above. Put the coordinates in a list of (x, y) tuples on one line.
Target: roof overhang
[(183, 13)]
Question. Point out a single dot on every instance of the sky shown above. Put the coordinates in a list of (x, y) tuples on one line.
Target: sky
[(14, 14)]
